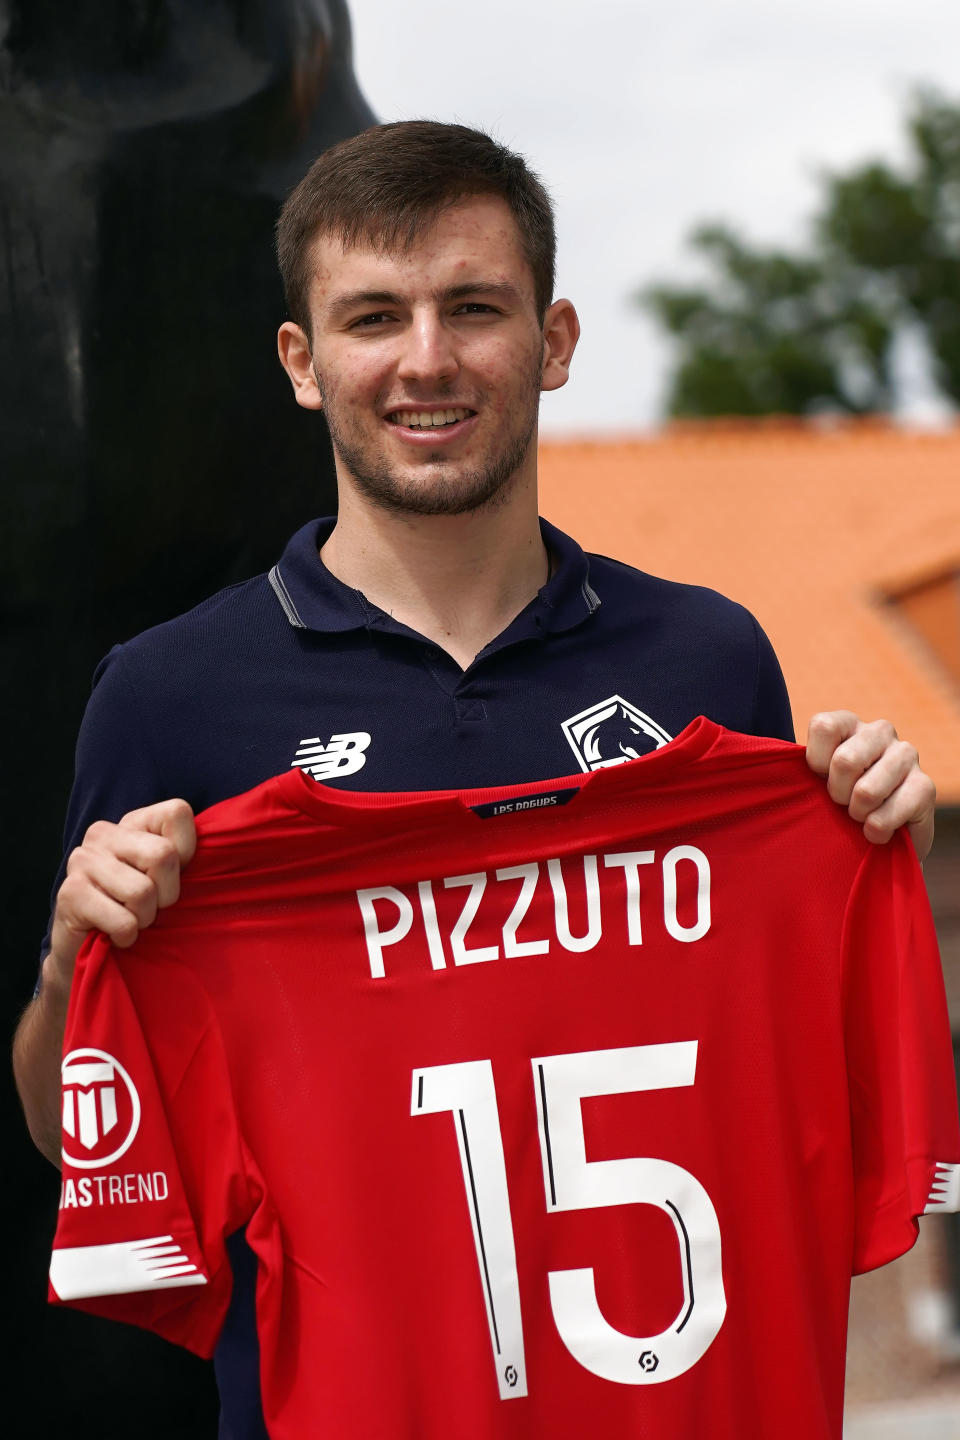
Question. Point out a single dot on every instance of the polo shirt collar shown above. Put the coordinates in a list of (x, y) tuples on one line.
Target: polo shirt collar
[(314, 599)]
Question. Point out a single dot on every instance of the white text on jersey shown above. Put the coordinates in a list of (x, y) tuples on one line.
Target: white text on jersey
[(682, 877), (113, 1190)]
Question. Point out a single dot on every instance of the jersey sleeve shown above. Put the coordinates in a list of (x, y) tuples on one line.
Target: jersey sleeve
[(902, 1085), (154, 1172)]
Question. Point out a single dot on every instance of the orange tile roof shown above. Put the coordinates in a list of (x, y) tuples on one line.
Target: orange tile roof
[(807, 527)]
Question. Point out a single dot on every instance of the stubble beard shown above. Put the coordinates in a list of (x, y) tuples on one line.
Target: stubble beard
[(437, 492)]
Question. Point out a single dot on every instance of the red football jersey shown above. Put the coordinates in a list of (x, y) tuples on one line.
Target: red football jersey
[(555, 1110)]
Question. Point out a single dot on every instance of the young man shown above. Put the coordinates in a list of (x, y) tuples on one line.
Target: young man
[(437, 634)]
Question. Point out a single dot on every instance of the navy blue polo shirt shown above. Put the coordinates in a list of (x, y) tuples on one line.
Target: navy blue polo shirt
[(295, 667)]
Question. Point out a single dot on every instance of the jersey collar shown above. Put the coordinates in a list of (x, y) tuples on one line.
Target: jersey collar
[(314, 599)]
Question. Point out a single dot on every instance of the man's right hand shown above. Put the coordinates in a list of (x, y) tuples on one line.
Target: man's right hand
[(116, 882), (118, 879)]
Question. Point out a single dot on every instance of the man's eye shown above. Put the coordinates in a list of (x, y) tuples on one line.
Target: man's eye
[(377, 318), (476, 307)]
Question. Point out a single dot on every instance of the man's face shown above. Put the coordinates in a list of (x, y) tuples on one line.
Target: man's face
[(429, 362)]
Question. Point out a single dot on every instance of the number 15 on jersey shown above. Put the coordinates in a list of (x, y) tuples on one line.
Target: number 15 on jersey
[(572, 1182)]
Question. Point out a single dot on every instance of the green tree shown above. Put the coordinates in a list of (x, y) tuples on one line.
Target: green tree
[(792, 333)]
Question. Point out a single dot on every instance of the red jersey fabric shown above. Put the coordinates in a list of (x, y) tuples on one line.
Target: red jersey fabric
[(551, 1109)]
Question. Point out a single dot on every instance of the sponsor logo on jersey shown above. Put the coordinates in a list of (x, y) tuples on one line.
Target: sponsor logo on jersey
[(611, 732), (113, 1190), (101, 1109), (341, 755)]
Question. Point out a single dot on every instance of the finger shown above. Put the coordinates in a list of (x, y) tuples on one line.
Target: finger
[(106, 845), (77, 914), (884, 781), (172, 819), (921, 833), (827, 730), (912, 803), (134, 889), (855, 756)]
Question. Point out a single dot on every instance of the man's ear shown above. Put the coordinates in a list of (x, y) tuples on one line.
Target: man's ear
[(561, 331), (293, 347)]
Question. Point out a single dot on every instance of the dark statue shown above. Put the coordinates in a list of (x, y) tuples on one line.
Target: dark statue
[(151, 452)]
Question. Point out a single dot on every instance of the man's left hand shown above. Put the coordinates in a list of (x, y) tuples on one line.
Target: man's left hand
[(874, 774)]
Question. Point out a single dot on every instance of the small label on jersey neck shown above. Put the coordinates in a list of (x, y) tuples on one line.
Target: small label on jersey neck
[(515, 803)]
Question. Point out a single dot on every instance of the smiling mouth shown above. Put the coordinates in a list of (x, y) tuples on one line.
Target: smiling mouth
[(428, 419)]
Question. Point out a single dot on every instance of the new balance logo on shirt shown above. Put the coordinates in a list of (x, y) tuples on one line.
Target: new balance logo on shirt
[(341, 755)]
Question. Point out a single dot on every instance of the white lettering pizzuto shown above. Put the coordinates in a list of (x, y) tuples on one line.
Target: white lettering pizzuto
[(614, 892)]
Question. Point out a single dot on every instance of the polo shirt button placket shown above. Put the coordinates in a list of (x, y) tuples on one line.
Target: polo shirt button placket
[(469, 710)]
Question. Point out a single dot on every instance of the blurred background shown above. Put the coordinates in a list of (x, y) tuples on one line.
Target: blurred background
[(649, 121), (759, 221)]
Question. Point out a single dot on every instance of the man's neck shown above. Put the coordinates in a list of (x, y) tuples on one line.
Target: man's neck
[(457, 579)]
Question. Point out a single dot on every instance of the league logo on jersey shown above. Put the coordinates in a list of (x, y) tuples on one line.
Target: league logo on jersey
[(101, 1109), (611, 732), (342, 755)]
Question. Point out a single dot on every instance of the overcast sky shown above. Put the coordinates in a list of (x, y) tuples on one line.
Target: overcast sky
[(645, 118)]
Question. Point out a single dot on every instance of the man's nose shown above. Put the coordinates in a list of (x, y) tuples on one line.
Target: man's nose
[(429, 350)]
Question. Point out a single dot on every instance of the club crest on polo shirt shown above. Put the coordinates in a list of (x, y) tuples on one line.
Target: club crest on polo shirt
[(341, 755), (610, 732)]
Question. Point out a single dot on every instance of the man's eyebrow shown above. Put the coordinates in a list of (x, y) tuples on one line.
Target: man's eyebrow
[(481, 287), (359, 299)]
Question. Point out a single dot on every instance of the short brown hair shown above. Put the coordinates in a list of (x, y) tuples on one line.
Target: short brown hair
[(387, 185)]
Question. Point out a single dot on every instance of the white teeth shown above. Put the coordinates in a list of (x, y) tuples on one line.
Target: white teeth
[(428, 419)]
